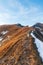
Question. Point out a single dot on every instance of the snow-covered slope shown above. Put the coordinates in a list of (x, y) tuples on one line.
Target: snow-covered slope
[(38, 31), (37, 34), (39, 45)]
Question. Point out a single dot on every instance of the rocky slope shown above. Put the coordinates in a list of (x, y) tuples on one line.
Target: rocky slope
[(17, 45), (38, 31)]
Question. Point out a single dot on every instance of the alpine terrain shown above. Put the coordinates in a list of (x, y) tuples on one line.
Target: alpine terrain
[(21, 45)]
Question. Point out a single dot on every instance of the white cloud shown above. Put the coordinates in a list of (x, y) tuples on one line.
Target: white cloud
[(20, 14)]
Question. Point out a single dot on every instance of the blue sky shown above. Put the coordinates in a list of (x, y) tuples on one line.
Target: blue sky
[(26, 12)]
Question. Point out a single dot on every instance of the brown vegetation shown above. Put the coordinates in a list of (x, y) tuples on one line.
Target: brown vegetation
[(19, 48)]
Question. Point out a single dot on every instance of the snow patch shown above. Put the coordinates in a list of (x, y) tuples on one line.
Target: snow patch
[(39, 45), (4, 32), (38, 27), (41, 32), (1, 38)]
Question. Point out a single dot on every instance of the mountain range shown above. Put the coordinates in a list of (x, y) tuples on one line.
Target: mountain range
[(19, 45)]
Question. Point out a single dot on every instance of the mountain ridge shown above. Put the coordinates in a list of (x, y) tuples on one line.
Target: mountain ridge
[(17, 46)]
